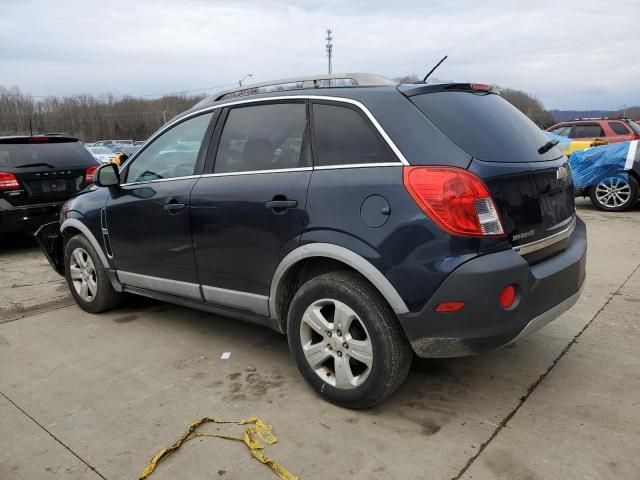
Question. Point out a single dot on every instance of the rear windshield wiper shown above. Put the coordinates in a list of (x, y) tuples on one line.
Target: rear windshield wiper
[(27, 165), (548, 146)]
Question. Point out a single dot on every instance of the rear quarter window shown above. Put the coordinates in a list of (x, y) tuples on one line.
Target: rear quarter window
[(57, 154), (618, 128), (485, 126)]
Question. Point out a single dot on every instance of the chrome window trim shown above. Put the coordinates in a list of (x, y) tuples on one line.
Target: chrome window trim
[(257, 172), (358, 165), (211, 108), (547, 241), (186, 177)]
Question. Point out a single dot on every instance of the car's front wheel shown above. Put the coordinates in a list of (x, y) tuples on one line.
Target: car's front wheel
[(615, 194), (346, 340), (87, 277)]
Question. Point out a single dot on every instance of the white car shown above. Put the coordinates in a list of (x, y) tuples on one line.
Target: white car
[(102, 154)]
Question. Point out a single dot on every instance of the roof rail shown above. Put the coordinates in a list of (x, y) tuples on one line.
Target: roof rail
[(299, 83)]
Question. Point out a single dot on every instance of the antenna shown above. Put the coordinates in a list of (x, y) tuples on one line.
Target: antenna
[(329, 47), (424, 80)]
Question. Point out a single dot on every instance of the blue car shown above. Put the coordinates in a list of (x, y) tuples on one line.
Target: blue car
[(366, 220)]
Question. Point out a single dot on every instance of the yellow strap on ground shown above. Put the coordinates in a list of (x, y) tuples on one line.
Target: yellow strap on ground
[(255, 428)]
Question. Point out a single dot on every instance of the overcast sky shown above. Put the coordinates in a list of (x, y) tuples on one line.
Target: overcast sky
[(570, 54)]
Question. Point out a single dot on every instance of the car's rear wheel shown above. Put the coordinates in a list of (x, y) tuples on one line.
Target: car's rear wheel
[(615, 194), (346, 340), (87, 277)]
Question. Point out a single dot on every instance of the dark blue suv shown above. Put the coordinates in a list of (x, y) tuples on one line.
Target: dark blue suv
[(366, 220)]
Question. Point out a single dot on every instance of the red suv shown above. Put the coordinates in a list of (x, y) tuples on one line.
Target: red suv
[(611, 130)]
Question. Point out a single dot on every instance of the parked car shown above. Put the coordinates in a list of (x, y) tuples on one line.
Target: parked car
[(102, 154), (609, 175), (103, 143), (123, 142), (37, 175), (366, 222), (610, 130)]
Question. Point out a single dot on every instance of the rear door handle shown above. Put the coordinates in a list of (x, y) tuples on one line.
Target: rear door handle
[(172, 206), (281, 204)]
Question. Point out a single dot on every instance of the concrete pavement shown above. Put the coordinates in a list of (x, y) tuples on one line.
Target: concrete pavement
[(105, 392)]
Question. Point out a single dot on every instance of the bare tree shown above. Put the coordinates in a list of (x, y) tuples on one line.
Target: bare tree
[(88, 117)]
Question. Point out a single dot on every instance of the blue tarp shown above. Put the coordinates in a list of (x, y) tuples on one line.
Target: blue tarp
[(592, 165)]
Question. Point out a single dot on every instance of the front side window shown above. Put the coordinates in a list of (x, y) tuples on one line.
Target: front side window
[(173, 154), (344, 137), (588, 130), (562, 130), (264, 137), (619, 128)]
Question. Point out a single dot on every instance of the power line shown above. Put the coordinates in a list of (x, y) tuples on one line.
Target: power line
[(108, 97)]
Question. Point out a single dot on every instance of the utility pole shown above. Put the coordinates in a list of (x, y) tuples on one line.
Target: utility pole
[(329, 47)]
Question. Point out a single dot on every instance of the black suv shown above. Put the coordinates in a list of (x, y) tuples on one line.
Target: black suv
[(366, 220), (37, 175)]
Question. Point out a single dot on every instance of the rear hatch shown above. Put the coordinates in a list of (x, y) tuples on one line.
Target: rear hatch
[(532, 187), (47, 169)]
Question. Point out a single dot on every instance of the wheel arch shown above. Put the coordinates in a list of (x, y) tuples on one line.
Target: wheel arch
[(315, 259), (73, 224)]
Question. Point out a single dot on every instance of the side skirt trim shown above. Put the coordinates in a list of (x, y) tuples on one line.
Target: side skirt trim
[(235, 299), (164, 285)]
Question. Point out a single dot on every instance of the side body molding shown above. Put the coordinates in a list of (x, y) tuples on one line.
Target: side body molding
[(343, 255)]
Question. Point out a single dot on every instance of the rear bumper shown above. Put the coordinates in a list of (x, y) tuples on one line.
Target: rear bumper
[(27, 218), (545, 291)]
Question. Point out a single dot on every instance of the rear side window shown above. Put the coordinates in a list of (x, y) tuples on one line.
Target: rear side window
[(344, 137), (264, 137), (56, 154), (485, 126), (588, 130), (619, 128)]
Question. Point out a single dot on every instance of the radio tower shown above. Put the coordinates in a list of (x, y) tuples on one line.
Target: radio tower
[(329, 47)]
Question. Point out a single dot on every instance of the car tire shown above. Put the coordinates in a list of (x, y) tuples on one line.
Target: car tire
[(346, 340), (615, 194), (87, 278)]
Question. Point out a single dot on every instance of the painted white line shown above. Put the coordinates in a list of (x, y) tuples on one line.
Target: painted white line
[(225, 356)]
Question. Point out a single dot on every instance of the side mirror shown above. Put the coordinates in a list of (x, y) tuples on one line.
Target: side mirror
[(107, 176)]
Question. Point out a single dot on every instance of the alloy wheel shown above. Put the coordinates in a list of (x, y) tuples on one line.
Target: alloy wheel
[(83, 274), (613, 192), (336, 344)]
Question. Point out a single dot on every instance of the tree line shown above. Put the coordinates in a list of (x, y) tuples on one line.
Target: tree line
[(92, 118), (88, 117)]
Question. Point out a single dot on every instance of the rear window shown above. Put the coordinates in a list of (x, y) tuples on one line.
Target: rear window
[(23, 155), (635, 127), (485, 126)]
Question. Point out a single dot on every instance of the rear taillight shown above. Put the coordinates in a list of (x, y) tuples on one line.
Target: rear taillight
[(88, 174), (455, 199), (635, 136), (8, 181)]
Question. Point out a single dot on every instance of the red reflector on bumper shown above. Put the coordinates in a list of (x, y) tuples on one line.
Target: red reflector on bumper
[(449, 307), (508, 296)]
